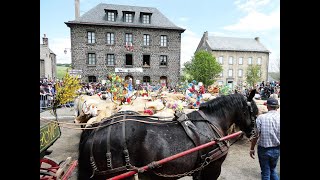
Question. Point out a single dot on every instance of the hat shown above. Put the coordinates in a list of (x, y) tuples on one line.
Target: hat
[(272, 102)]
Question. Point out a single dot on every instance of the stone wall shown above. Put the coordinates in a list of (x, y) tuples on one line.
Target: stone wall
[(80, 49), (236, 66)]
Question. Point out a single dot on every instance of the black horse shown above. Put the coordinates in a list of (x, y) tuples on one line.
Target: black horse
[(127, 141)]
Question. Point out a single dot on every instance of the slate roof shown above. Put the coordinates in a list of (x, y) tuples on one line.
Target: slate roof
[(235, 44), (97, 16)]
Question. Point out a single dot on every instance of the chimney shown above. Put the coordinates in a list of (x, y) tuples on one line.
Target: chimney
[(45, 40), (77, 9), (257, 39)]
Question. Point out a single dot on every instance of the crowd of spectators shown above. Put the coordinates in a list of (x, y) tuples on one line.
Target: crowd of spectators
[(48, 90)]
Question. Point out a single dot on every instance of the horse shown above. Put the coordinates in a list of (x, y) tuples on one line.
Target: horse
[(124, 142)]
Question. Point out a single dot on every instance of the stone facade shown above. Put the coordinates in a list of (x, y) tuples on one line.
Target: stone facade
[(47, 61), (236, 48), (121, 20), (235, 66), (80, 50)]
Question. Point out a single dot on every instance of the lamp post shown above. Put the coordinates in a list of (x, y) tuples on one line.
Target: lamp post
[(65, 50)]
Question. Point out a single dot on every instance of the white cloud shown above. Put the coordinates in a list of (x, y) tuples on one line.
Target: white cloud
[(183, 19), (256, 21), (250, 5), (189, 44), (58, 45)]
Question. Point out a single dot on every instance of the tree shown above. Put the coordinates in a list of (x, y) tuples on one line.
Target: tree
[(253, 74), (276, 75), (65, 91), (203, 68)]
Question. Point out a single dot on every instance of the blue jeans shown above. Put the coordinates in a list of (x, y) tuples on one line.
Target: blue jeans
[(268, 159)]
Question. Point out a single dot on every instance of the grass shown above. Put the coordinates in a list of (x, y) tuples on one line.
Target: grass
[(61, 71)]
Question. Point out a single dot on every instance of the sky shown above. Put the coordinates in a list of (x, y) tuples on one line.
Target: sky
[(227, 18)]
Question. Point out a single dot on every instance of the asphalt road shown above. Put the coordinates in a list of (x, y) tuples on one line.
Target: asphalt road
[(237, 166)]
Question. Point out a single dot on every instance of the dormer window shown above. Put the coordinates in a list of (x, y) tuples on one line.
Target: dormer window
[(146, 19), (111, 14), (128, 17)]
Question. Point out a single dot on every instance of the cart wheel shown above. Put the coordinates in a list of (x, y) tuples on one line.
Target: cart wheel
[(48, 169)]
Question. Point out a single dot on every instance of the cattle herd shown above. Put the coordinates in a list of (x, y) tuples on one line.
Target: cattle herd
[(95, 108)]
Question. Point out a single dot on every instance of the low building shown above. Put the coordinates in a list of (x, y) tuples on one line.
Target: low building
[(47, 61), (131, 41), (235, 55)]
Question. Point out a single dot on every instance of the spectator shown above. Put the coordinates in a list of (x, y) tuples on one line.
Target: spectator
[(268, 138)]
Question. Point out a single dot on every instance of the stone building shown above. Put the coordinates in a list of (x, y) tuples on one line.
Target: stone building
[(47, 60), (235, 55), (136, 42)]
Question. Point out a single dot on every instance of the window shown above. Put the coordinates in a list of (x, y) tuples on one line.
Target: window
[(110, 59), (91, 58), (110, 38), (129, 60), (240, 60), (92, 79), (240, 72), (91, 37), (146, 40), (146, 61), (146, 79), (163, 60), (128, 17), (146, 18), (230, 73), (163, 41), (111, 16), (128, 39), (221, 59), (220, 83), (250, 60), (230, 60), (259, 60)]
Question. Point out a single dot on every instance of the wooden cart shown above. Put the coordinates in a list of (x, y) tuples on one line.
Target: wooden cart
[(49, 168)]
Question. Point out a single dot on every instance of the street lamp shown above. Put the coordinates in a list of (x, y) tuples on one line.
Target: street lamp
[(65, 50)]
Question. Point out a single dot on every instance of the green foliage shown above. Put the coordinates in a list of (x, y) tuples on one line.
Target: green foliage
[(65, 91), (64, 65), (185, 77), (61, 71), (252, 74), (203, 68), (225, 90)]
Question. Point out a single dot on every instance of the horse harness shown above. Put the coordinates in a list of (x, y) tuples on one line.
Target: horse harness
[(194, 134), (190, 129)]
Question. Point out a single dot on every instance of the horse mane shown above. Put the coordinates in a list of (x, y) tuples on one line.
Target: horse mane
[(222, 105)]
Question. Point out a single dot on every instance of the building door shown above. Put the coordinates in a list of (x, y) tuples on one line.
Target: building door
[(92, 78), (127, 79), (230, 84), (163, 81)]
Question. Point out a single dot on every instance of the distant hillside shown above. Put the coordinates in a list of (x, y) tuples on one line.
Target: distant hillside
[(64, 65), (62, 70)]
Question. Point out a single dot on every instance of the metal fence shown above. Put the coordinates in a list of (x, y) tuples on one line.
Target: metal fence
[(46, 101)]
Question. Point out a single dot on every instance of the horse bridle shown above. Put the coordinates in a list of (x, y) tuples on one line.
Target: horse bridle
[(253, 124)]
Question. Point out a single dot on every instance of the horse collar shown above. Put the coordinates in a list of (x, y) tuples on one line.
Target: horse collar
[(218, 131)]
